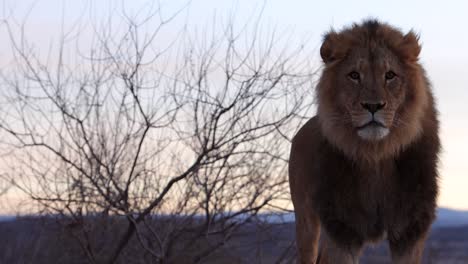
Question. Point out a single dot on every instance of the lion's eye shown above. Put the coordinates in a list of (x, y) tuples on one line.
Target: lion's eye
[(390, 75), (354, 76)]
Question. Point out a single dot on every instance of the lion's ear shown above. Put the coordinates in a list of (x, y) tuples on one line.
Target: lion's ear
[(409, 47), (332, 47)]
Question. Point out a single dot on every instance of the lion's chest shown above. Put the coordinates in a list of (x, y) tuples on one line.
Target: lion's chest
[(355, 202)]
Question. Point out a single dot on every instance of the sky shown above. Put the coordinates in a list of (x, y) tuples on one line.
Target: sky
[(441, 25)]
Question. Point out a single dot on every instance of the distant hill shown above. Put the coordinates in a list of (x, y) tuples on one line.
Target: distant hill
[(451, 217), (4, 218), (269, 241), (445, 217)]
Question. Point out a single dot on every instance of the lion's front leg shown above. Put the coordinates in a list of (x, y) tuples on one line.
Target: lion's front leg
[(331, 252), (410, 254), (307, 236)]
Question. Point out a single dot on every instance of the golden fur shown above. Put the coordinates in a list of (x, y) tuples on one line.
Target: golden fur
[(366, 164), (338, 97)]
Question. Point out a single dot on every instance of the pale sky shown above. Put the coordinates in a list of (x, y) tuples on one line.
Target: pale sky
[(441, 25)]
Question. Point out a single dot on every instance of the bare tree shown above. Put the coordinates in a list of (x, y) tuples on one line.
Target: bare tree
[(182, 140)]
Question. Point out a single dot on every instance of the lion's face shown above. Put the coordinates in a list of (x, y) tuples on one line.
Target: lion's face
[(372, 93), (370, 88)]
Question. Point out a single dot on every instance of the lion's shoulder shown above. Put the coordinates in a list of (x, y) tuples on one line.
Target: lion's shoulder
[(308, 137), (304, 148)]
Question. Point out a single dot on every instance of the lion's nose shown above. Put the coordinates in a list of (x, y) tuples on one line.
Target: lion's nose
[(373, 107)]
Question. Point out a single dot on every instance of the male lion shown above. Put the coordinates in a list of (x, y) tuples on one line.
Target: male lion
[(365, 167)]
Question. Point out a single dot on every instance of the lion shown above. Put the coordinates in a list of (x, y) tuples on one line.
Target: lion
[(365, 167)]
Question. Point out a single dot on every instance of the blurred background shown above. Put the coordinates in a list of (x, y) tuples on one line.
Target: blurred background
[(164, 126)]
